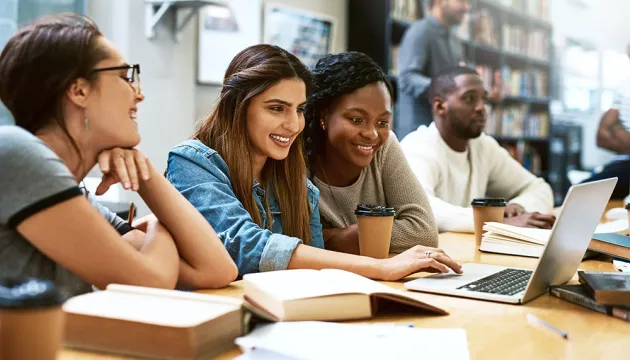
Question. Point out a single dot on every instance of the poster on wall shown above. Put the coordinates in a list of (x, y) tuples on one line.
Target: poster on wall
[(307, 35), (225, 28)]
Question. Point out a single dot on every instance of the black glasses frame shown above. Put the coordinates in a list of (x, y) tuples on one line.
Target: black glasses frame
[(135, 73)]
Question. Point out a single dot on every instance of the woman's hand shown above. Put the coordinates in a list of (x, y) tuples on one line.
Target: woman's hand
[(418, 258), (125, 166)]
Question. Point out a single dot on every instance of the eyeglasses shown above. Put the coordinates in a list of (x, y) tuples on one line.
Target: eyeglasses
[(132, 76)]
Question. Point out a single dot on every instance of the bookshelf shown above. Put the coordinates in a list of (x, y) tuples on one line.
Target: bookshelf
[(507, 37), (376, 28), (513, 38)]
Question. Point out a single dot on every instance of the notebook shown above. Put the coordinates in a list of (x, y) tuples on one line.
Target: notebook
[(331, 341), (607, 288), (325, 295), (147, 322), (514, 240)]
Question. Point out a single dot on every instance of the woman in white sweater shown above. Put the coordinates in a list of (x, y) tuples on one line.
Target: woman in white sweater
[(456, 162)]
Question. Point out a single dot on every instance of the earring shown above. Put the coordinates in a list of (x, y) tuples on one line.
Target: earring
[(323, 124), (87, 122)]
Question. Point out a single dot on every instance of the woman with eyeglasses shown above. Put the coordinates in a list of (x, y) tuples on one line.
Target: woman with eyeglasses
[(74, 100)]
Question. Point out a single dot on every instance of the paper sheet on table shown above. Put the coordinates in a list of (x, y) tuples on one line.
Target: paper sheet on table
[(322, 340)]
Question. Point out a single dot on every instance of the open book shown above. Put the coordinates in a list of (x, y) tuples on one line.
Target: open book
[(513, 240), (325, 295), (149, 322)]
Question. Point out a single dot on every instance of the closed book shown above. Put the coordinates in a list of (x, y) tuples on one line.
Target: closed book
[(612, 244), (576, 294), (326, 295), (607, 288), (154, 323)]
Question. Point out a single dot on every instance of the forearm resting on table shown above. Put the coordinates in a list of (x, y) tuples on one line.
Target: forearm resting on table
[(206, 262), (307, 257)]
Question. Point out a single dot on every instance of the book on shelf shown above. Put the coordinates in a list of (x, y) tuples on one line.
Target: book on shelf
[(325, 295), (513, 240), (406, 10), (516, 121), (538, 9), (484, 28), (518, 5), (515, 39), (517, 82), (576, 294), (147, 322), (538, 44), (606, 288), (462, 31), (616, 245), (394, 62)]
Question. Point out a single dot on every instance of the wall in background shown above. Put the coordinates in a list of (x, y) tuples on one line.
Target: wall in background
[(205, 95)]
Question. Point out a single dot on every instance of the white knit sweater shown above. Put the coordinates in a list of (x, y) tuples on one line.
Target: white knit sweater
[(452, 179)]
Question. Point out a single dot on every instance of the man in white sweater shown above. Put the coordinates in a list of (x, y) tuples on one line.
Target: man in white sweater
[(455, 162)]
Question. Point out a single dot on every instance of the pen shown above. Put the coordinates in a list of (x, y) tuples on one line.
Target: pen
[(533, 319), (132, 210)]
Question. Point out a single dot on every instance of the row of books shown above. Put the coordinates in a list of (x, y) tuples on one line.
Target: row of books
[(516, 121), (527, 155), (536, 8), (534, 43), (515, 82), (406, 10)]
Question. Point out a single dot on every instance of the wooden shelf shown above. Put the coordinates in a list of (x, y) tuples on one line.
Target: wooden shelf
[(530, 139), (527, 99), (516, 14)]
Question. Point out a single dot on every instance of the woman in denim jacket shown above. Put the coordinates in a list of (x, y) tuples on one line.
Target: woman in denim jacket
[(244, 170)]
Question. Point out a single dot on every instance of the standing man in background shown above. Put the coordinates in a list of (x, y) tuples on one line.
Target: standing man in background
[(427, 48), (613, 135)]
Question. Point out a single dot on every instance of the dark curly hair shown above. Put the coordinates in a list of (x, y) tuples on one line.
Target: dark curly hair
[(335, 75)]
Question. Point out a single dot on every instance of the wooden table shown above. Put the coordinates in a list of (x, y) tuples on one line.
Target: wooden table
[(495, 331)]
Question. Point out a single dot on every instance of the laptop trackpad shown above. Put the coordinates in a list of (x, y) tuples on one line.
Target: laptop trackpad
[(451, 280)]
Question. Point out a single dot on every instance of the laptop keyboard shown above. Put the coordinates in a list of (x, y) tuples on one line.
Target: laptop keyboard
[(505, 282)]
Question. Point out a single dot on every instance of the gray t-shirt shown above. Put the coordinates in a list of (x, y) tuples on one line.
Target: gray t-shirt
[(34, 178)]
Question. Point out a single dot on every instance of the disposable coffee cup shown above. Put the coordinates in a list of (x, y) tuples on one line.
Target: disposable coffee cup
[(486, 210), (375, 229), (31, 319)]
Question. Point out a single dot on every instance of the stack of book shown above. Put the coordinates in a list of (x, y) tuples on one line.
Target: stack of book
[(604, 292)]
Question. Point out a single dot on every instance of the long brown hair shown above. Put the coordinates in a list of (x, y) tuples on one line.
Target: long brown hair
[(39, 63), (250, 73)]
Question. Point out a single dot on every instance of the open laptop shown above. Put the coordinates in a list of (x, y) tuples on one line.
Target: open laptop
[(570, 237)]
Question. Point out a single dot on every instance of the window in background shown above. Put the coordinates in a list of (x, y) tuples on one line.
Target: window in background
[(15, 14), (615, 71), (580, 69)]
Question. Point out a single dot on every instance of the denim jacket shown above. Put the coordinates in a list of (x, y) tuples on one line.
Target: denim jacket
[(202, 176)]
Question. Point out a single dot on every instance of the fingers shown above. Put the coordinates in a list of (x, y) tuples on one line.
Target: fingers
[(143, 165), (425, 264), (107, 181), (103, 161), (121, 169), (445, 260), (538, 224), (130, 161)]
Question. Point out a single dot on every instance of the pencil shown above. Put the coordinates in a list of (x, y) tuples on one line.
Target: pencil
[(132, 210)]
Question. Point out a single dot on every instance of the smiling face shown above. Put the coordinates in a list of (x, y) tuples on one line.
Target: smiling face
[(111, 105), (357, 124), (275, 118), (463, 109)]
